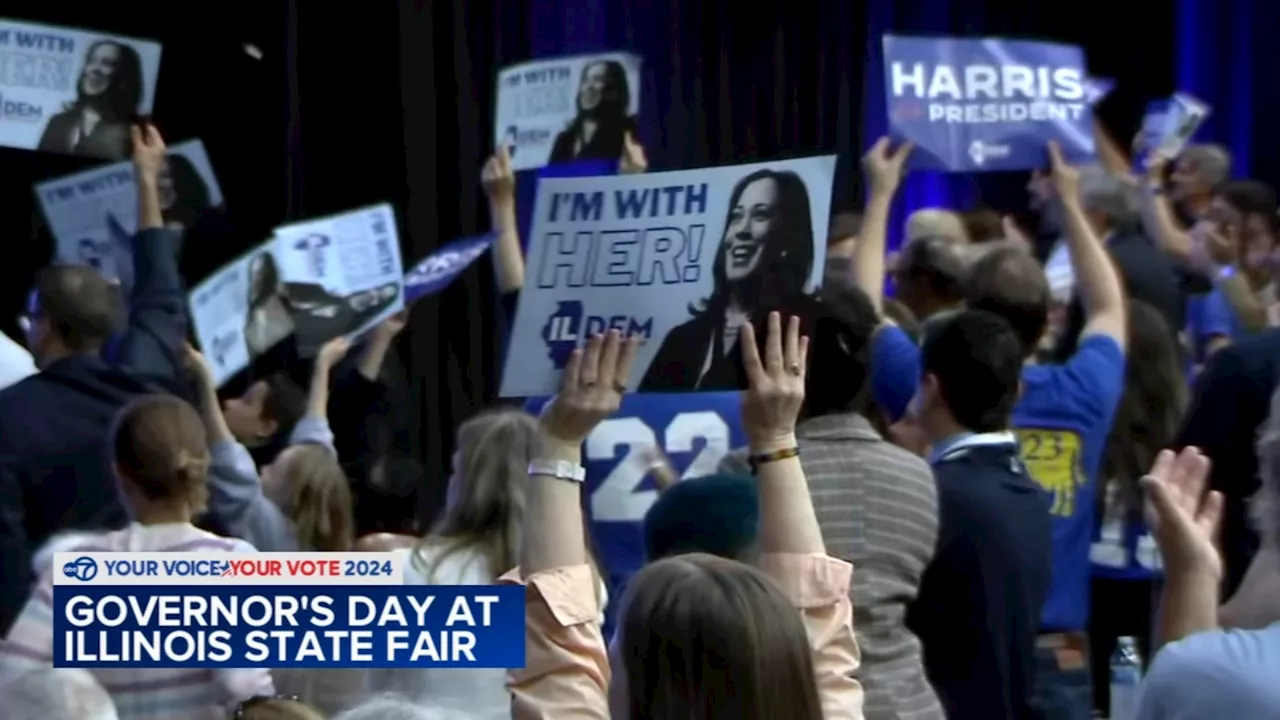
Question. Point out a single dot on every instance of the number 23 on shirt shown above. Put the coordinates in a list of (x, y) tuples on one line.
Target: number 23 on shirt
[(1052, 457)]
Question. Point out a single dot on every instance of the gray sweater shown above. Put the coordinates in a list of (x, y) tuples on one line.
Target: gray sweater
[(235, 490)]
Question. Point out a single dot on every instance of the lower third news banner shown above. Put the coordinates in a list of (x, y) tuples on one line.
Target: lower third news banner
[(276, 610)]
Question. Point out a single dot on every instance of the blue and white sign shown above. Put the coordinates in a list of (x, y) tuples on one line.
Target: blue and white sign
[(241, 311), (342, 274), (1183, 116), (679, 259), (93, 215), (1096, 89), (442, 267), (973, 105), (567, 109), (73, 91), (694, 430)]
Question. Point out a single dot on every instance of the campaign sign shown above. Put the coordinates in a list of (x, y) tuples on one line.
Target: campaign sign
[(93, 215), (58, 81), (240, 312), (342, 274), (1183, 116), (973, 105), (325, 610), (443, 266), (543, 107), (694, 430), (1096, 89), (677, 259)]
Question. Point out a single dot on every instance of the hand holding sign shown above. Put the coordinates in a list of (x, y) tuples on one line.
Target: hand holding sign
[(1066, 177), (497, 178), (633, 161), (148, 151), (884, 168), (198, 366)]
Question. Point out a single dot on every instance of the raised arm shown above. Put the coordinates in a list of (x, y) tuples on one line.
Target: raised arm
[(567, 667), (883, 170), (791, 545), (1158, 217), (1097, 281), (500, 187), (151, 344)]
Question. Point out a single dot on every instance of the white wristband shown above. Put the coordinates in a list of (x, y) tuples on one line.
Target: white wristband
[(558, 469)]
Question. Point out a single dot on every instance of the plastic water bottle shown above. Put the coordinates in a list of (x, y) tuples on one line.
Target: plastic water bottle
[(1126, 673)]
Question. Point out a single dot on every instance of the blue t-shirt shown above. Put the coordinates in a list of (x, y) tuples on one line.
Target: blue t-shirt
[(1212, 673), (1210, 316), (1123, 549), (895, 370), (1062, 423)]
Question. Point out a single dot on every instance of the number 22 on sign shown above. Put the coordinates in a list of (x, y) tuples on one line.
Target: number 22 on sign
[(618, 498)]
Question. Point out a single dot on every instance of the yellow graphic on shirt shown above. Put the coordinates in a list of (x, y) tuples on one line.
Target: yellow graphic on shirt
[(1053, 459)]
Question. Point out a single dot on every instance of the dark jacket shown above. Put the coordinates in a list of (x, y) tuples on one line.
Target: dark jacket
[(108, 141), (1232, 401), (678, 363), (606, 143), (978, 609), (55, 427), (1148, 275)]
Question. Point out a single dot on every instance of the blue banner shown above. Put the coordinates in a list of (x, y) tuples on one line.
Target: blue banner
[(1096, 89), (985, 104), (694, 430), (442, 267), (288, 626), (663, 256)]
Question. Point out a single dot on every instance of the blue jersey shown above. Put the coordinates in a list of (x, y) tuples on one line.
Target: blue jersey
[(1062, 423), (695, 430), (1210, 316)]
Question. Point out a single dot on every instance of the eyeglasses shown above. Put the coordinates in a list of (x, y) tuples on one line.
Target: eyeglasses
[(249, 703)]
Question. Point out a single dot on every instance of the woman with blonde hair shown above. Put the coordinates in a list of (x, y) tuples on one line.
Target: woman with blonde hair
[(162, 461), (702, 637), (302, 499)]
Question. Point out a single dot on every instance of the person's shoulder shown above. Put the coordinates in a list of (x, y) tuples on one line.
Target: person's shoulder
[(903, 462), (1089, 382), (1218, 668)]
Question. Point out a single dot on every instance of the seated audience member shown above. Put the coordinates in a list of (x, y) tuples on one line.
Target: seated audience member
[(266, 707), (691, 641), (1205, 671), (978, 610), (56, 694), (930, 276), (54, 471), (302, 499), (1126, 564), (936, 222), (876, 503), (1065, 410), (162, 458), (16, 362), (1228, 409), (715, 514), (1112, 208)]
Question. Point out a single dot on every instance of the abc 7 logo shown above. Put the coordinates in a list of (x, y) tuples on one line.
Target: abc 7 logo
[(83, 569)]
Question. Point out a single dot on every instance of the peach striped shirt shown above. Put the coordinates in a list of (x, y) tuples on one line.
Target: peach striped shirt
[(566, 673)]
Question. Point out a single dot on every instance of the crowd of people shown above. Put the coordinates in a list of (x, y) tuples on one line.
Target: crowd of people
[(954, 498)]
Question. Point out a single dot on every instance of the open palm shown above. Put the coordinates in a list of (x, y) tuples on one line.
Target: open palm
[(1182, 516)]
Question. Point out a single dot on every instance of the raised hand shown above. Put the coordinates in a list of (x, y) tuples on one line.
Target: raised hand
[(393, 325), (497, 178), (1065, 177), (148, 150), (633, 161), (775, 385), (594, 381), (884, 168), (196, 364), (1182, 517), (332, 352)]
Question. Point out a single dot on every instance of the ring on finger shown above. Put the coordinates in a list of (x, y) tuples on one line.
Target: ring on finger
[(619, 387), (794, 369)]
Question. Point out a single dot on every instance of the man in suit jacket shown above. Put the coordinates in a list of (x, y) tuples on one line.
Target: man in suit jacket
[(55, 426), (1232, 399)]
